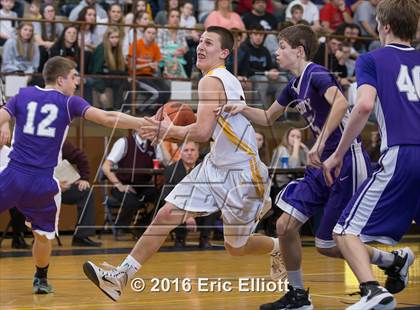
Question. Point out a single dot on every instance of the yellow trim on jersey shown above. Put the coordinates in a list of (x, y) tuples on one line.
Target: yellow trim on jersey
[(212, 70), (227, 129), (255, 172)]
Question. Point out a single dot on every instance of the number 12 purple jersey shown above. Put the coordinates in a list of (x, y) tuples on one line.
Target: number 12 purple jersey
[(42, 118)]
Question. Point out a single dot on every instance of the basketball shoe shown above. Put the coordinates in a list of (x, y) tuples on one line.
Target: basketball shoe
[(374, 297)]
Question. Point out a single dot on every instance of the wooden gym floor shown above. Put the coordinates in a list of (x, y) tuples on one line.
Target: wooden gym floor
[(330, 280)]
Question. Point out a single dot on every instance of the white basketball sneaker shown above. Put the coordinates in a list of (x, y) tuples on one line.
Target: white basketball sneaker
[(110, 280), (374, 297)]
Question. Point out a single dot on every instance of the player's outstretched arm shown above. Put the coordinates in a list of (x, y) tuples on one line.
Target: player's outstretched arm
[(211, 96), (257, 116), (114, 119)]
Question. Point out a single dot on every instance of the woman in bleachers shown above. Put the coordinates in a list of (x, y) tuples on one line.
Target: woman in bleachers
[(67, 45), (142, 19), (291, 147), (163, 16), (21, 54), (108, 58), (223, 16), (46, 33), (90, 31), (141, 6), (115, 16), (173, 45)]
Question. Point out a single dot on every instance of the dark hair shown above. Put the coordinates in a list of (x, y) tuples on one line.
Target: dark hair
[(401, 16), (60, 46), (257, 27), (57, 66), (226, 37), (296, 7), (81, 17), (301, 35), (167, 8)]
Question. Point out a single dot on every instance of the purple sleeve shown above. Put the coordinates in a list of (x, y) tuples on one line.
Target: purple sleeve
[(77, 106), (285, 98), (366, 70), (10, 106), (322, 80)]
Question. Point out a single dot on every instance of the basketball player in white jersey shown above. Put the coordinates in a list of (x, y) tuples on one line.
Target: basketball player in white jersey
[(231, 178)]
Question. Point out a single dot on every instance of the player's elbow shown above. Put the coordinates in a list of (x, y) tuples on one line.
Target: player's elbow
[(365, 106)]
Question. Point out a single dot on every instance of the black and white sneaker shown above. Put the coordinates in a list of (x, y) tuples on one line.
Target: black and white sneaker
[(295, 298), (374, 297), (397, 273), (109, 279)]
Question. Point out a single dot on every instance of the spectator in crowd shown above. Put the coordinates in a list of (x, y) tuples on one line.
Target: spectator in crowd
[(173, 45), (310, 13), (115, 16), (262, 147), (333, 14), (332, 45), (141, 6), (351, 32), (365, 17), (173, 175), (108, 58), (262, 71), (142, 19), (245, 6), (80, 193), (188, 19), (21, 54), (47, 33), (259, 15), (7, 27), (90, 31), (223, 16), (163, 16), (147, 60), (297, 14), (291, 147), (132, 190), (35, 10), (67, 45), (100, 12)]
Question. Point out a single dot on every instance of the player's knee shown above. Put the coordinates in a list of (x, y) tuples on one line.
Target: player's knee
[(286, 225), (167, 215), (234, 251)]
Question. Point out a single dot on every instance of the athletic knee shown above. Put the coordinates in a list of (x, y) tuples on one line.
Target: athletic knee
[(234, 251), (41, 238), (286, 226), (167, 215)]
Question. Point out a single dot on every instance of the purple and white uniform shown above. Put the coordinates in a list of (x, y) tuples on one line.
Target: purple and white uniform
[(42, 118), (386, 204), (304, 197)]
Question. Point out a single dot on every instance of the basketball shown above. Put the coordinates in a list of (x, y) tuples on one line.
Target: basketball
[(180, 113)]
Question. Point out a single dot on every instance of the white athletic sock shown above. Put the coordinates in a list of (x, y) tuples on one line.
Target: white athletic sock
[(295, 278), (276, 247), (382, 258), (130, 266)]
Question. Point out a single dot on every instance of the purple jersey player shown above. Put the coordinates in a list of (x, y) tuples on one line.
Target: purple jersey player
[(388, 82), (43, 116), (317, 95)]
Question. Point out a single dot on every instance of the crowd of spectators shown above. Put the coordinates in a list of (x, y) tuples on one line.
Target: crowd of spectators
[(338, 23)]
